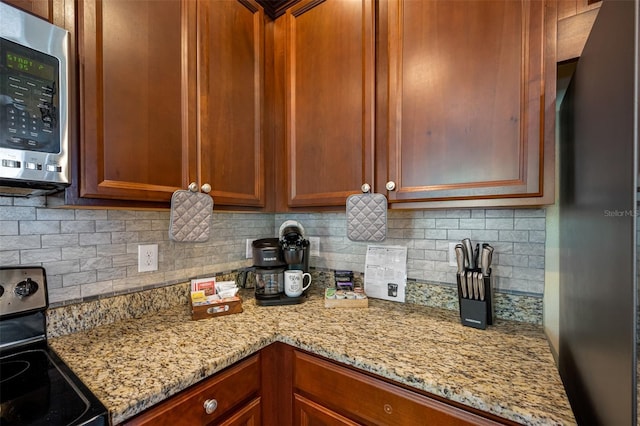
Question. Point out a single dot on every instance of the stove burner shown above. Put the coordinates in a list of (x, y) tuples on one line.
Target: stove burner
[(11, 369)]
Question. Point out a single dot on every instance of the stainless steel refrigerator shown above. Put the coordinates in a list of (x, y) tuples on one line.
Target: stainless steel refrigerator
[(598, 127)]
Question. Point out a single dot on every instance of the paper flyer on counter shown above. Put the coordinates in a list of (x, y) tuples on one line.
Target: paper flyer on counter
[(385, 272)]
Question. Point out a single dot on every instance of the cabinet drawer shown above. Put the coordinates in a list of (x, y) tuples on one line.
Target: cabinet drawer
[(369, 400), (229, 388)]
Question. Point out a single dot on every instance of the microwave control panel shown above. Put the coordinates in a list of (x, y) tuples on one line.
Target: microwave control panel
[(29, 99)]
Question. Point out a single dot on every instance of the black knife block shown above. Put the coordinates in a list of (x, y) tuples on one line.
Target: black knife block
[(477, 313)]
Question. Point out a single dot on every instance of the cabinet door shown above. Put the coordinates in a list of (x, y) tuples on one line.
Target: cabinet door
[(377, 402), (329, 79), (308, 413), (231, 101), (137, 111), (249, 415), (471, 99), (41, 8)]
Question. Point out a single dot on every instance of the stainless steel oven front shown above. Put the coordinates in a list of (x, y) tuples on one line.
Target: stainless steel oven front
[(34, 104)]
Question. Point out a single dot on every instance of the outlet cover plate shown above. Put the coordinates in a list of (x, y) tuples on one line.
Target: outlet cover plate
[(315, 246), (147, 257), (248, 249)]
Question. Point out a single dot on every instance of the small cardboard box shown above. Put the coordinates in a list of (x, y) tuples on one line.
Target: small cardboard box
[(231, 305), (344, 303)]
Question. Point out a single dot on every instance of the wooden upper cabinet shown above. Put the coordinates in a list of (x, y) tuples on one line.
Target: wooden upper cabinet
[(329, 100), (171, 93), (137, 97), (471, 100), (41, 8), (231, 150)]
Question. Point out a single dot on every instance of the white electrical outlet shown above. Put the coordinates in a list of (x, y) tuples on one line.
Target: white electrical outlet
[(315, 246), (452, 254), (147, 257), (248, 250)]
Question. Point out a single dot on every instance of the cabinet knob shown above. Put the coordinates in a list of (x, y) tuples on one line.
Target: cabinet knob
[(365, 188), (391, 185), (210, 405), (206, 188), (193, 187)]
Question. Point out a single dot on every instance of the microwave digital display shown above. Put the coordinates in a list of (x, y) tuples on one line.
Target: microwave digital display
[(29, 99), (31, 66)]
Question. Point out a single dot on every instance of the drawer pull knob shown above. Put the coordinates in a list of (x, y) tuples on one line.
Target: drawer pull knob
[(388, 409), (391, 185), (210, 405)]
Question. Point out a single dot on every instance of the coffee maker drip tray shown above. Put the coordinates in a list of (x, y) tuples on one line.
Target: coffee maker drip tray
[(278, 299)]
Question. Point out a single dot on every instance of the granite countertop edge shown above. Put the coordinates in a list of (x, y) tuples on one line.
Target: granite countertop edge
[(107, 360)]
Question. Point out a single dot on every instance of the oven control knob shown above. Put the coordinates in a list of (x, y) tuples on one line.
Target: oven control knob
[(26, 288)]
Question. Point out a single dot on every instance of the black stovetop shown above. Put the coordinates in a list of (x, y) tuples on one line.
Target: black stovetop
[(37, 388)]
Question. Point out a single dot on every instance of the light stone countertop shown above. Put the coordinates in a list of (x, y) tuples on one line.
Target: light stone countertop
[(507, 370)]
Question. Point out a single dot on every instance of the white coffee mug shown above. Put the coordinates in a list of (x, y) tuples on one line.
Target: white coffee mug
[(293, 282)]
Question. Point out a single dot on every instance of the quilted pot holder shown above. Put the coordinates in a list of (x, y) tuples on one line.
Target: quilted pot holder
[(367, 217), (190, 216)]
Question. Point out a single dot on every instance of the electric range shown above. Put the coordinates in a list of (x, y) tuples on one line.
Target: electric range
[(36, 386)]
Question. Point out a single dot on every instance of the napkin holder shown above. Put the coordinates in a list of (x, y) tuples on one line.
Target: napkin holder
[(228, 306)]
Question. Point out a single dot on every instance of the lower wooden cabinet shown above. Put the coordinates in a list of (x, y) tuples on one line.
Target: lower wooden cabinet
[(281, 385), (231, 397), (327, 393)]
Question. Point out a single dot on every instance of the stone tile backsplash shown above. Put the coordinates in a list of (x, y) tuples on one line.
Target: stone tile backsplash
[(93, 253), (518, 236)]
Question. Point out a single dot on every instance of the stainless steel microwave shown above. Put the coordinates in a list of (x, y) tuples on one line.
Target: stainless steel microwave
[(34, 105)]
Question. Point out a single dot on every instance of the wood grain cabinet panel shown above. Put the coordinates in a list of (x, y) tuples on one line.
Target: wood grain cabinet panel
[(471, 99), (329, 85), (137, 121), (171, 92), (231, 101), (42, 8), (326, 393), (249, 415), (309, 413)]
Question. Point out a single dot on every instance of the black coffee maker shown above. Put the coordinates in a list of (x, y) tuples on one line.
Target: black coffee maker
[(272, 256), (294, 245)]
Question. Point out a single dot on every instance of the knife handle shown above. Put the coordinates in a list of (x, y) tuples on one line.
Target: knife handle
[(476, 256), (469, 285), (460, 257), (462, 285), (486, 258), (468, 252)]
